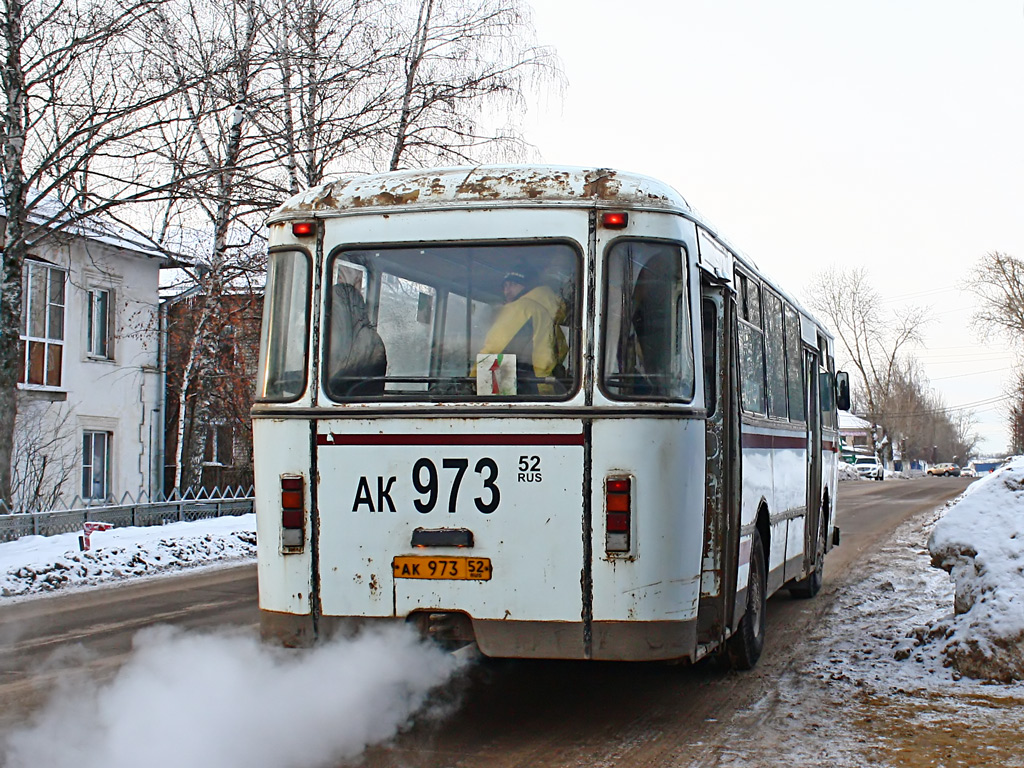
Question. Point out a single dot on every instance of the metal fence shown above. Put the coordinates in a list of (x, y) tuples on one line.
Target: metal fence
[(143, 512)]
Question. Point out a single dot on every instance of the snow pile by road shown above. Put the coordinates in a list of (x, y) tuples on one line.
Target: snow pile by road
[(980, 542), (847, 472), (41, 564)]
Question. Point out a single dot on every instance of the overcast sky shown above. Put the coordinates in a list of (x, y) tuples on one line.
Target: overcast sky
[(887, 134)]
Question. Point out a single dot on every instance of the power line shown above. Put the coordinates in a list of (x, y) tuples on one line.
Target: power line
[(972, 373), (992, 401)]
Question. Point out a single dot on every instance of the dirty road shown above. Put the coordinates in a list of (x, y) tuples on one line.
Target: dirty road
[(827, 690)]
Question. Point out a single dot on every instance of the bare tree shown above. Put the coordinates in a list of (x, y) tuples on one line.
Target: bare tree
[(73, 105), (873, 342), (998, 282), (43, 464), (1015, 392), (462, 60), (210, 54), (330, 60)]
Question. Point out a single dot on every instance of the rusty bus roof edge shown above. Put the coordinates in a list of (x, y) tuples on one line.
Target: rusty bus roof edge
[(488, 186)]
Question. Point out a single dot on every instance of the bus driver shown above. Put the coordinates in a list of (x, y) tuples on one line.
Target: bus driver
[(527, 326)]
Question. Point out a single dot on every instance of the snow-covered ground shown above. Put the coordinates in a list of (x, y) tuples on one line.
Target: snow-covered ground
[(42, 564)]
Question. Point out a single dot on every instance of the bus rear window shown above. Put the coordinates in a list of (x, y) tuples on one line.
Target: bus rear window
[(647, 348), (282, 366), (491, 322)]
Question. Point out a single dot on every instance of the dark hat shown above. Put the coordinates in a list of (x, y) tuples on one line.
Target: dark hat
[(514, 277)]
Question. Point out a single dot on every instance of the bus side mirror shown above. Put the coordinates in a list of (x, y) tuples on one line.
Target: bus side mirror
[(843, 391)]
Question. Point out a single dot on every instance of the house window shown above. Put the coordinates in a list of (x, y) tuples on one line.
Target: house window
[(98, 323), (220, 445), (96, 465), (42, 332)]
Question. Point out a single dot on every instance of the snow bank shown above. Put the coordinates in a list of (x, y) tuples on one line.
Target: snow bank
[(847, 472), (39, 564), (980, 543)]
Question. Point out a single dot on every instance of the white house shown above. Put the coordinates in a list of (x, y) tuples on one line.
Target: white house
[(90, 406), (856, 432)]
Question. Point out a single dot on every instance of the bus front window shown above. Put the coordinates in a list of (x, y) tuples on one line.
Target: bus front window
[(282, 365), (418, 323), (647, 348)]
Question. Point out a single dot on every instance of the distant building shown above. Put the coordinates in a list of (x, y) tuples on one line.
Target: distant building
[(215, 429), (983, 466), (855, 433)]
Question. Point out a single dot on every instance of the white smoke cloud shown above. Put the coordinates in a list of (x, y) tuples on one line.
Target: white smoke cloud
[(186, 699)]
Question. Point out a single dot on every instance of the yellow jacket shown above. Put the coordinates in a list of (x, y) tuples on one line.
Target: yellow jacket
[(528, 328)]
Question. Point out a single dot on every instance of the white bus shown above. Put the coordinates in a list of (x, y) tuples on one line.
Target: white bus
[(546, 410)]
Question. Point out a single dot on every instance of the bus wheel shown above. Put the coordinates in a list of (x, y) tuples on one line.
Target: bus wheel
[(745, 646), (811, 585)]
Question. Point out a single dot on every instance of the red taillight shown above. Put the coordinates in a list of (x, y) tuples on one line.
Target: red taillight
[(618, 522), (303, 228), (618, 506), (614, 219), (293, 512)]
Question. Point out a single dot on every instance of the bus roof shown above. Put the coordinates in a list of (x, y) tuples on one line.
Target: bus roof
[(483, 185)]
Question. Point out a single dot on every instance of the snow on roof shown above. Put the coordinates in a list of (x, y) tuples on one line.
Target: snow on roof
[(849, 421), (96, 227)]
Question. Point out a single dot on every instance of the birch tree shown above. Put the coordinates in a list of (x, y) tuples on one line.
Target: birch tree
[(73, 106), (331, 59), (210, 55), (465, 70)]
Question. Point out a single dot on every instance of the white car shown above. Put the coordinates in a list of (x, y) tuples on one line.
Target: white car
[(868, 466)]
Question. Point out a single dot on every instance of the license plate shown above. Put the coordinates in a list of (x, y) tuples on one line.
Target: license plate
[(434, 567)]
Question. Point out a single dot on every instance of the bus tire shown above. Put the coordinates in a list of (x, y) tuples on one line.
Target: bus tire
[(810, 585), (745, 646)]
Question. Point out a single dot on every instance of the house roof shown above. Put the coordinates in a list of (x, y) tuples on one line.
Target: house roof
[(848, 421), (97, 228)]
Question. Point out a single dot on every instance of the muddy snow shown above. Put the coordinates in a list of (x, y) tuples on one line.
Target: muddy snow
[(877, 684)]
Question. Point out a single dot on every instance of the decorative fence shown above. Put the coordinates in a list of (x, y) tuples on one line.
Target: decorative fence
[(177, 508)]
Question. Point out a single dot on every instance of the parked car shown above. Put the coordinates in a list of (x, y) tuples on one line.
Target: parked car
[(868, 466), (944, 470), (968, 472)]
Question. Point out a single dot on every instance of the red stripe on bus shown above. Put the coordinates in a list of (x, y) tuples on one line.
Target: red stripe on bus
[(753, 440), (549, 439)]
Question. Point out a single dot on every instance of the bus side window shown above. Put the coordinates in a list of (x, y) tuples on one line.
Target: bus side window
[(648, 350)]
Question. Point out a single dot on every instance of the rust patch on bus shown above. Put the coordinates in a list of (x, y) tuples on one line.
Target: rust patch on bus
[(601, 184), (324, 200), (387, 198), (541, 185), (481, 188), (374, 585)]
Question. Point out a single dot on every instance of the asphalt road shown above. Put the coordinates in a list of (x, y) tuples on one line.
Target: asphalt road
[(506, 714)]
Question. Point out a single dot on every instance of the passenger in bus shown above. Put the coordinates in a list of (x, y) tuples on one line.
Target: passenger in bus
[(356, 358), (527, 326)]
